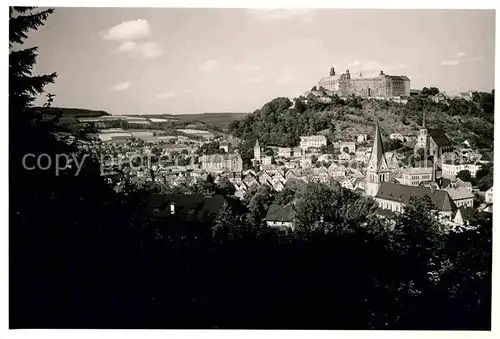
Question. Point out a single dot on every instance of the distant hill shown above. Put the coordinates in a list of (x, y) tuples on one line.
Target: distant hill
[(73, 112), (218, 120)]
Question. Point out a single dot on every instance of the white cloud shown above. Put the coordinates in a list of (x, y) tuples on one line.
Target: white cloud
[(123, 86), (148, 49), (255, 79), (369, 66), (166, 95), (474, 59), (354, 63), (303, 15), (128, 30), (208, 65), (460, 55), (450, 63)]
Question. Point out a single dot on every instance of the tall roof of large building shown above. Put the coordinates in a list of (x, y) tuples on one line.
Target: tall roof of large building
[(377, 156), (403, 193), (398, 77), (439, 137)]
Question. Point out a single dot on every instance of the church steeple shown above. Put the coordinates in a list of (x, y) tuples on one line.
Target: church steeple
[(377, 156), (256, 151), (378, 169)]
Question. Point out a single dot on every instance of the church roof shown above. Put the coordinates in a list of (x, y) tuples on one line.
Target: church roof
[(439, 137), (403, 194)]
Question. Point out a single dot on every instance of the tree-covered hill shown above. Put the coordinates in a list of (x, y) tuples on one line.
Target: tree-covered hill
[(281, 122), (72, 112)]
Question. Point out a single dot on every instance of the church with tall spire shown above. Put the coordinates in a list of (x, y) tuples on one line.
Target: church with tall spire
[(433, 142), (378, 169)]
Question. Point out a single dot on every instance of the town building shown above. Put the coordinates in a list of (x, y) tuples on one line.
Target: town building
[(451, 169), (397, 136), (434, 142), (394, 197), (221, 163), (297, 152), (383, 86), (362, 138), (285, 152), (335, 171), (224, 146), (488, 196), (267, 160), (342, 145), (461, 196), (463, 215), (486, 158), (313, 141), (181, 210), (280, 216), (378, 169), (415, 175)]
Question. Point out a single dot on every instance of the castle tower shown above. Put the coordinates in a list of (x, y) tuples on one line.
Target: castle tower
[(378, 169), (256, 151)]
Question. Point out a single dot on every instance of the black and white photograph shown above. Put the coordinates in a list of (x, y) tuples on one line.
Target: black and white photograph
[(250, 168)]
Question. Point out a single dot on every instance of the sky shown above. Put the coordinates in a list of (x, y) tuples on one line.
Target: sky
[(181, 61)]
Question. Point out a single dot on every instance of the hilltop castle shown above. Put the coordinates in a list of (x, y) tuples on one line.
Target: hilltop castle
[(386, 86)]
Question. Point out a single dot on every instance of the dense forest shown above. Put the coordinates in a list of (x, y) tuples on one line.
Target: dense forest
[(84, 256), (281, 122)]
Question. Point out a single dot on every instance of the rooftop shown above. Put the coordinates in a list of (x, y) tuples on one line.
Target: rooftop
[(459, 193), (403, 193), (278, 212)]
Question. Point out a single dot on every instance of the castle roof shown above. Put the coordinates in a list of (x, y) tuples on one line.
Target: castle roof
[(398, 77), (329, 78)]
